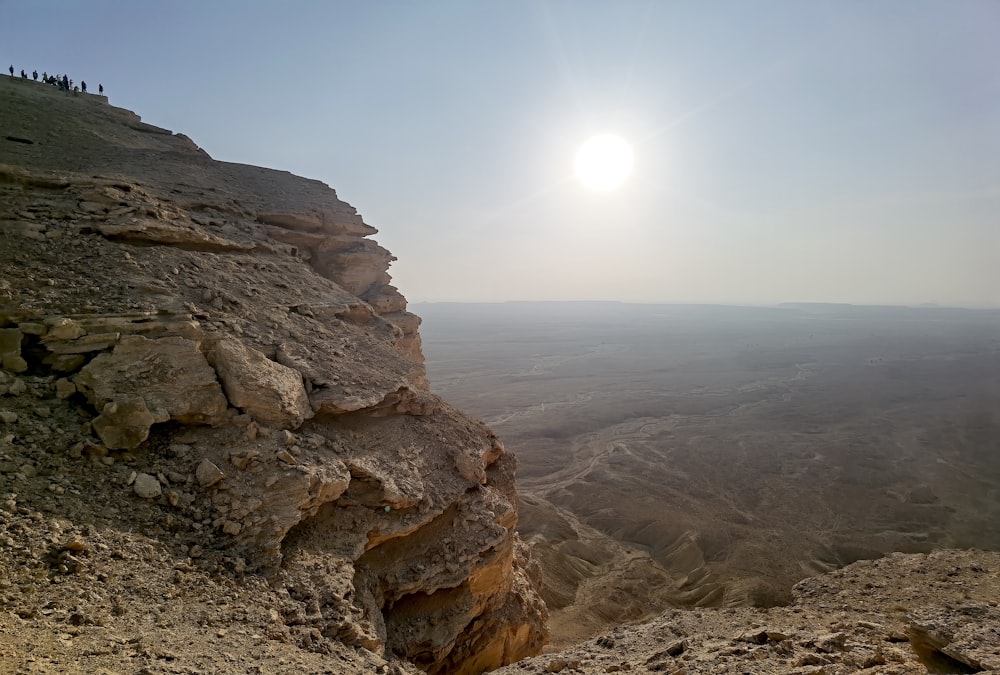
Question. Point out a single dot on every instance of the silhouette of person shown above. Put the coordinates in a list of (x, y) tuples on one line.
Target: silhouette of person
[(11, 69), (100, 89), (83, 86), (65, 82), (45, 77), (34, 75), (24, 74)]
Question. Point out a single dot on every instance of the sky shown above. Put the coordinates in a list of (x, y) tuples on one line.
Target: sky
[(843, 151)]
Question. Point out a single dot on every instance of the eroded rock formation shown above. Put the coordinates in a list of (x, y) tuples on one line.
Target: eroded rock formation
[(231, 333)]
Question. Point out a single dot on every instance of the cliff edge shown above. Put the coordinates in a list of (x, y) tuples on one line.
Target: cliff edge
[(214, 413)]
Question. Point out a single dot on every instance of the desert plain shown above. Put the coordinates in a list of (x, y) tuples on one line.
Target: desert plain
[(713, 456)]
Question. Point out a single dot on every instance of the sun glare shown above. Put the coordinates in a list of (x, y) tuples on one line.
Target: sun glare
[(603, 162)]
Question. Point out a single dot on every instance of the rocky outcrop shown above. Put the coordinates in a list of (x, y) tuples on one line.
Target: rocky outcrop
[(902, 614), (230, 335)]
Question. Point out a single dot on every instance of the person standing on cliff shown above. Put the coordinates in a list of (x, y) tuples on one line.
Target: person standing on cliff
[(100, 89), (65, 82), (34, 75), (83, 86), (11, 69)]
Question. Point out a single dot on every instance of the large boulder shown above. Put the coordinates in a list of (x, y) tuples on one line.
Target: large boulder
[(170, 377), (272, 394)]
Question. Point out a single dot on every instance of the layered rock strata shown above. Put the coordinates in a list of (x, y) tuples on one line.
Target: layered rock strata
[(232, 333)]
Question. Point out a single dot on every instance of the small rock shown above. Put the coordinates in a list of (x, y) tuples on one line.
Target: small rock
[(833, 642), (14, 363), (556, 666), (125, 424), (285, 456), (208, 474), (76, 544), (8, 416), (146, 486), (17, 387), (64, 329), (64, 388)]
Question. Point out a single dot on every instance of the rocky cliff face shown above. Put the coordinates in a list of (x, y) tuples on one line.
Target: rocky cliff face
[(223, 344)]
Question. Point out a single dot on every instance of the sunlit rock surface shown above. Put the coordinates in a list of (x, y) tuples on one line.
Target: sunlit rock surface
[(222, 343)]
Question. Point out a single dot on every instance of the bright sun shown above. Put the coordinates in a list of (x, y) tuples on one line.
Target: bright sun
[(603, 162)]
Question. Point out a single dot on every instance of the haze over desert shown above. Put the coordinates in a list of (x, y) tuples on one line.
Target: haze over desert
[(521, 336)]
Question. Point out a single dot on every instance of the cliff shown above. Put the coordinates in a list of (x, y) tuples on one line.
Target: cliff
[(210, 383)]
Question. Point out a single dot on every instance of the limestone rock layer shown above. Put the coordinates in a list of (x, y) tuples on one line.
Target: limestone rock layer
[(232, 332)]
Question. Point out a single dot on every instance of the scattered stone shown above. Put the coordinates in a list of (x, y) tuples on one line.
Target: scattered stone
[(14, 363), (76, 544), (8, 416), (64, 388), (208, 474), (833, 642), (124, 424), (146, 486)]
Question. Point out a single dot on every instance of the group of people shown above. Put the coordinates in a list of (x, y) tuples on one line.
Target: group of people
[(61, 81)]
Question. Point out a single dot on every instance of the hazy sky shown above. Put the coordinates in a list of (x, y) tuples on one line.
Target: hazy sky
[(785, 150)]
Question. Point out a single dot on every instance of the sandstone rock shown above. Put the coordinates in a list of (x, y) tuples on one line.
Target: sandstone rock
[(124, 424), (10, 341), (968, 633), (14, 363), (65, 363), (29, 328), (8, 416), (159, 232), (17, 387), (146, 486), (169, 374), (82, 345), (208, 474), (64, 388), (269, 392), (63, 329)]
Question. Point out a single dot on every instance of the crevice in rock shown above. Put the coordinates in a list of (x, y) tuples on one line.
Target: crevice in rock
[(137, 239), (936, 661)]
